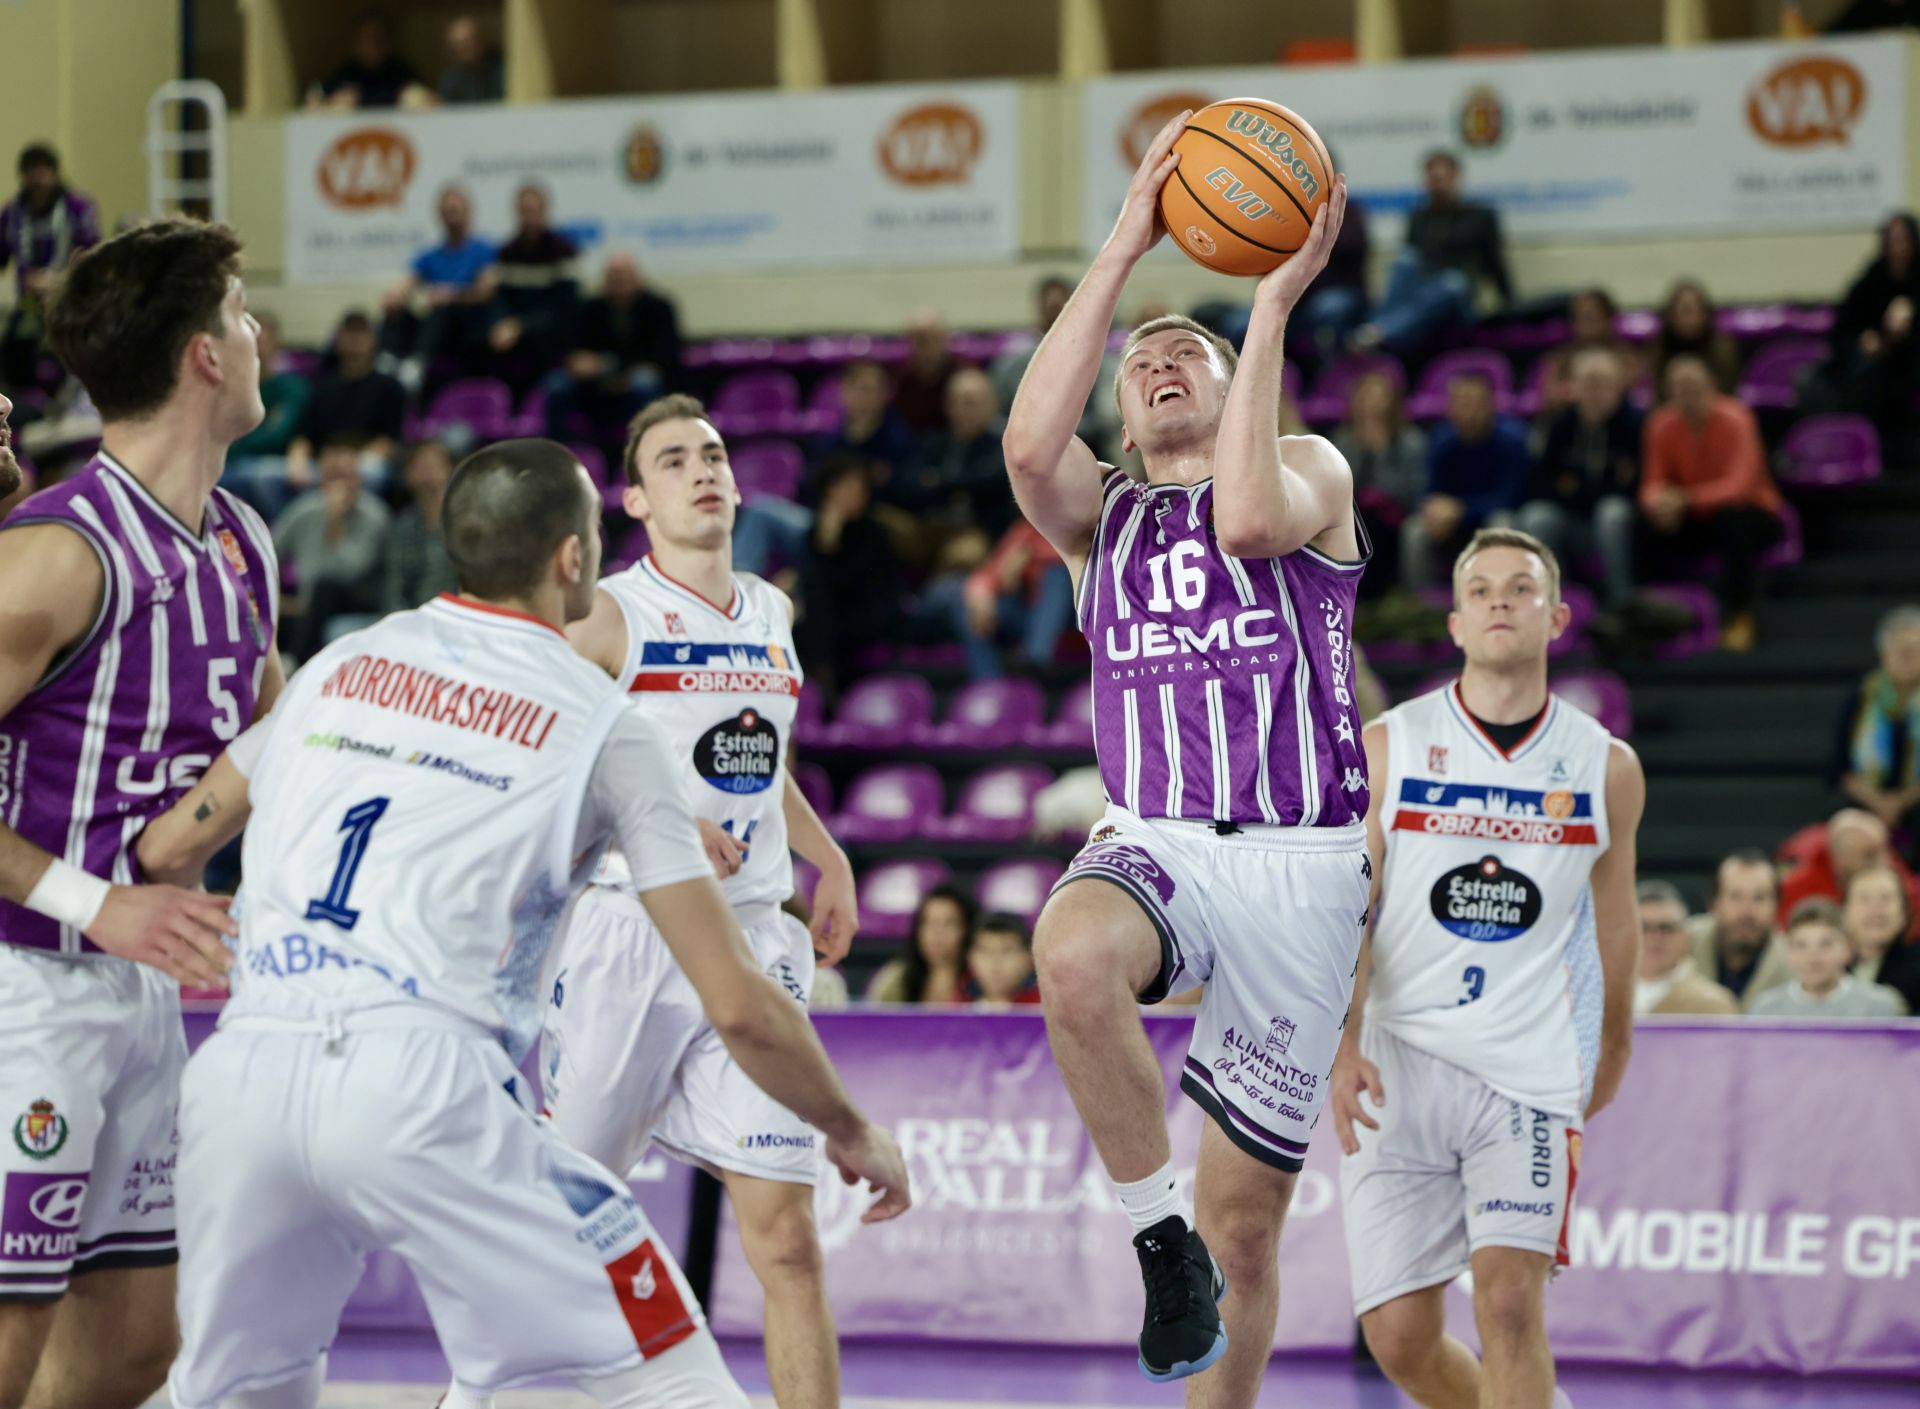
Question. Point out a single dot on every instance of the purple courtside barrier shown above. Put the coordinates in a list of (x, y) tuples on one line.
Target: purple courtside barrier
[(1752, 1201)]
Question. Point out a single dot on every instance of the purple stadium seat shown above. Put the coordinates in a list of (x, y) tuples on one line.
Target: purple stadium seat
[(1638, 324), (996, 804), (806, 876), (1792, 546), (889, 894), (1768, 379), (891, 802), (483, 403), (1760, 320), (303, 360), (810, 718), (988, 714), (631, 548), (1428, 401), (1326, 403), (815, 786), (1829, 452), (1581, 609), (1071, 726), (755, 403), (1019, 887), (768, 469), (879, 712), (824, 411), (1601, 694)]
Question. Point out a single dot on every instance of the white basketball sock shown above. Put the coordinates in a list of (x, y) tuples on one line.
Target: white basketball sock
[(1148, 1201)]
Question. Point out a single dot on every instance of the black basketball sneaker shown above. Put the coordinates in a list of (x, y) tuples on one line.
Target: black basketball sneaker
[(1182, 1334)]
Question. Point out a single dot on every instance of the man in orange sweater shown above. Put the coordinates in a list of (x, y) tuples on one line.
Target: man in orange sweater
[(1704, 488)]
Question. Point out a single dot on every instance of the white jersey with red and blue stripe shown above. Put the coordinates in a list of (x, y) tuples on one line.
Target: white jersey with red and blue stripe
[(1484, 951), (721, 684)]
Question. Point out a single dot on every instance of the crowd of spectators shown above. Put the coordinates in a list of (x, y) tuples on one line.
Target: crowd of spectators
[(373, 75)]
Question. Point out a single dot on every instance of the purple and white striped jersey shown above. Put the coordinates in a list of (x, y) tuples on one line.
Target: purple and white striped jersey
[(1222, 686), (164, 679)]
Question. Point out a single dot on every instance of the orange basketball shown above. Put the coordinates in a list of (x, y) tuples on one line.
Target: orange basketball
[(1251, 176)]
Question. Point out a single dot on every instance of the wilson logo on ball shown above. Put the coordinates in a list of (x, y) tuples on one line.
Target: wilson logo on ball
[(931, 145), (1277, 142), (1806, 102), (369, 167)]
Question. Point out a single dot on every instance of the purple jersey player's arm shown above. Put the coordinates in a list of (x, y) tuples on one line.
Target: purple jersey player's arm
[(177, 845), (50, 590), (1056, 478), (1353, 1073), (1274, 494), (1616, 919)]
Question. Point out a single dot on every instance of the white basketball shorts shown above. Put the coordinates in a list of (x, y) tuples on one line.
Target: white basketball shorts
[(302, 1149), (91, 1049), (1454, 1167), (1270, 919), (627, 1055)]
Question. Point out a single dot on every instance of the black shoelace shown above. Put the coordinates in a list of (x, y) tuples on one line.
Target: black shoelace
[(1169, 1293)]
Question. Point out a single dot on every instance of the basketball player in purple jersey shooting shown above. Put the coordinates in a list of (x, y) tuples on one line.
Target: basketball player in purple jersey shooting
[(137, 608), (1218, 600), (9, 467)]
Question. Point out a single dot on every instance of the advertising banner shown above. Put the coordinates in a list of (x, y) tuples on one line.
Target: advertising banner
[(1735, 138), (1751, 1201), (880, 175)]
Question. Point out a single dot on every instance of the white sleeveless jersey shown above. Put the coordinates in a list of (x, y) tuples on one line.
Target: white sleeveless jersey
[(1484, 952), (722, 687), (417, 819)]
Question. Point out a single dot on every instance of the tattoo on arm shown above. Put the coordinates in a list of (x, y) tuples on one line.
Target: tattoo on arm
[(208, 806)]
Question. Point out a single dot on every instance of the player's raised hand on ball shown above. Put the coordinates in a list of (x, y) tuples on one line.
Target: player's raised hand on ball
[(1139, 227), (179, 932), (874, 1157), (1286, 285), (1352, 1074)]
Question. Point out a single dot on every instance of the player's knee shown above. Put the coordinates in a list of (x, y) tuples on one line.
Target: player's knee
[(783, 1245), (1245, 1240), (142, 1373), (1076, 967), (1400, 1345), (1508, 1307)]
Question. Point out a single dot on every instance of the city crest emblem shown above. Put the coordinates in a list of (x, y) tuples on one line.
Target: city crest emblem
[(1280, 1035), (41, 1131)]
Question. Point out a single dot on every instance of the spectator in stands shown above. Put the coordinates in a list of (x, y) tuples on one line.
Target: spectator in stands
[(352, 401), (849, 578), (1580, 495), (43, 227), (445, 304), (1734, 943), (1875, 363), (1476, 474), (1825, 858), (1876, 759), (539, 293), (257, 462), (474, 73), (1592, 324), (869, 426), (1818, 955), (414, 567), (1388, 454), (1704, 488), (1022, 593), (1688, 328), (958, 478), (331, 538), (1669, 983), (920, 389), (1454, 249), (374, 77), (934, 968), (1100, 421), (1000, 963), (628, 352), (1878, 916)]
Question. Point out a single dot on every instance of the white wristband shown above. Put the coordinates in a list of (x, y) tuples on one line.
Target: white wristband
[(68, 894)]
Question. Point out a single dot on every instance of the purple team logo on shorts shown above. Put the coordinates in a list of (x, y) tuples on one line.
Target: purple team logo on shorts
[(40, 1218), (1133, 862)]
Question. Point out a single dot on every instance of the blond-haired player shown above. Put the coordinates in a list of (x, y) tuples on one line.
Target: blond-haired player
[(1497, 990)]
